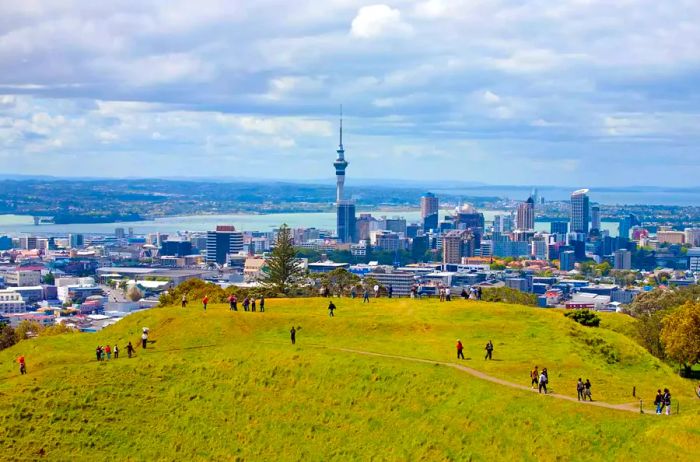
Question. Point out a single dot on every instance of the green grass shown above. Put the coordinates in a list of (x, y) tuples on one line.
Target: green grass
[(229, 386)]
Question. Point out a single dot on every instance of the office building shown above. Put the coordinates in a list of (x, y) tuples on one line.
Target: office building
[(23, 278), (580, 211), (397, 225), (119, 233), (457, 244), (670, 237), (559, 227), (176, 248), (345, 209), (567, 260), (623, 259), (429, 210), (595, 218), (692, 237), (11, 302), (525, 217), (28, 242), (76, 240), (386, 240), (502, 224), (467, 217), (223, 242)]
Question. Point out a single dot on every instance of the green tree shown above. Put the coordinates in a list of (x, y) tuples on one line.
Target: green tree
[(27, 329), (8, 336), (340, 281), (284, 271), (49, 279), (681, 335)]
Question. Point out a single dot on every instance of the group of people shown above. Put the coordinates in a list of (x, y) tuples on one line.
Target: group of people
[(248, 303), (102, 352), (488, 348), (474, 293), (539, 380), (583, 390), (663, 400)]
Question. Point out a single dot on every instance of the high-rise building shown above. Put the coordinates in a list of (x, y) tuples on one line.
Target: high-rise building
[(467, 217), (345, 209), (119, 233), (223, 242), (525, 218), (623, 259), (502, 224), (559, 227), (429, 210), (76, 240), (692, 237), (567, 260), (595, 217), (580, 211), (457, 244)]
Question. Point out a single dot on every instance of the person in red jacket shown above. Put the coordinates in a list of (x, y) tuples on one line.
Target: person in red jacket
[(205, 300), (22, 365), (460, 347)]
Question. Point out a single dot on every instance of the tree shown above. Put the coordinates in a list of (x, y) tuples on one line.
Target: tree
[(681, 335), (584, 317), (49, 279), (27, 329), (339, 281), (284, 270), (8, 336)]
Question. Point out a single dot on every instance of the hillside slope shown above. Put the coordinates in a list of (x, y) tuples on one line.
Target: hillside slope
[(228, 386)]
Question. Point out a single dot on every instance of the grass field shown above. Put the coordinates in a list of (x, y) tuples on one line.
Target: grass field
[(229, 386)]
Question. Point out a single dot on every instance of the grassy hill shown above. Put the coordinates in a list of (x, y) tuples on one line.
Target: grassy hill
[(230, 386)]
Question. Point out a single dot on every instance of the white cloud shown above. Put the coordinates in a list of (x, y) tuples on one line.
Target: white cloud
[(378, 20)]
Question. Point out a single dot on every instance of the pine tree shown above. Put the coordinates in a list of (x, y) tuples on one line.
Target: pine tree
[(284, 270)]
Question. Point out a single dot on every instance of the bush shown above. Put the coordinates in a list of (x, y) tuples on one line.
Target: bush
[(584, 317), (8, 336), (508, 295)]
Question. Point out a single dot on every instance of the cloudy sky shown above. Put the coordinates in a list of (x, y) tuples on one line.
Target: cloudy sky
[(566, 92)]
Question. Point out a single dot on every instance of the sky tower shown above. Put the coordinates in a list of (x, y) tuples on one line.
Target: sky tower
[(340, 163), (345, 209)]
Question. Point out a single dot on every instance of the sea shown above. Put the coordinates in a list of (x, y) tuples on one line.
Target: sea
[(17, 225)]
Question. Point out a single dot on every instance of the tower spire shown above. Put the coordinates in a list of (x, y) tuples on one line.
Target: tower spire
[(341, 128)]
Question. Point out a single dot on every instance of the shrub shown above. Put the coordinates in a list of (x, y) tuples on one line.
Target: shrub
[(584, 317)]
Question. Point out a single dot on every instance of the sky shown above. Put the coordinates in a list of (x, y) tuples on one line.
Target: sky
[(567, 92)]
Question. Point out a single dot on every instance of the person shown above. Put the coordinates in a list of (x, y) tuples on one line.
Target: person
[(130, 349), (390, 291), (460, 347), (108, 352), (144, 339), (22, 365), (464, 293), (667, 401), (579, 389), (331, 307), (534, 377), (262, 304), (442, 294), (98, 352), (246, 303), (659, 401), (353, 292), (489, 350), (252, 304), (365, 296), (414, 291), (587, 391), (478, 293), (205, 300), (116, 352), (543, 381), (448, 294), (376, 291), (230, 302), (183, 302), (293, 335)]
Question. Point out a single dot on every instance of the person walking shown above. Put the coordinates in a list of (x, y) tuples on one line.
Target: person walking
[(246, 303), (667, 401), (534, 377), (205, 301), (183, 303), (659, 401), (464, 294), (293, 335), (331, 307), (22, 365), (230, 302), (442, 294), (262, 304), (478, 293), (108, 352), (252, 304), (489, 350), (144, 339), (579, 389), (376, 291), (390, 291), (587, 391), (460, 348), (116, 352), (448, 294), (130, 349), (98, 353), (365, 296), (543, 381)]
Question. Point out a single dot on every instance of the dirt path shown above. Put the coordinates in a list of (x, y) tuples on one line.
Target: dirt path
[(633, 407)]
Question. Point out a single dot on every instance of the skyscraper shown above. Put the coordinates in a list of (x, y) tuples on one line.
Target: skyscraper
[(595, 217), (502, 224), (429, 209), (223, 242), (345, 208), (525, 218), (579, 211)]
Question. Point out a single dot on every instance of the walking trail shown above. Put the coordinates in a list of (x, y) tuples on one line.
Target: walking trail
[(631, 407)]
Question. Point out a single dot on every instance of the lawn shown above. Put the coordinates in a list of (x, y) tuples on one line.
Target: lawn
[(230, 386)]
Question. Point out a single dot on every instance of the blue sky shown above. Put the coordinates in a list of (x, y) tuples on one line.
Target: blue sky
[(580, 92)]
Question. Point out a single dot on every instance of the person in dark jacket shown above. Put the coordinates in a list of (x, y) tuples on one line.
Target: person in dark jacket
[(579, 389), (293, 335), (130, 349), (489, 350), (667, 401), (460, 348), (246, 304), (331, 308), (659, 401), (262, 304), (587, 391)]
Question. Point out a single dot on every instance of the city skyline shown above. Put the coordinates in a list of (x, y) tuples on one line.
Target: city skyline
[(587, 100)]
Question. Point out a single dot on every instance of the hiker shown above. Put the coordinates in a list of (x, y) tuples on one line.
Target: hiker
[(246, 304), (579, 389), (460, 347), (231, 298), (489, 350), (108, 352), (130, 349), (293, 335), (252, 304), (365, 296), (262, 304), (205, 300), (22, 365), (376, 291), (390, 291), (534, 377), (331, 307), (353, 292), (543, 381), (144, 339), (667, 401), (116, 352), (587, 390), (98, 353), (184, 301)]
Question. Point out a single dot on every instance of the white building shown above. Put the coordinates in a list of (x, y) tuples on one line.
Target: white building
[(11, 302), (692, 236), (23, 278)]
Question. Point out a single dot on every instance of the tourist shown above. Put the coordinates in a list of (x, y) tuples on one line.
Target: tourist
[(144, 338), (376, 291), (184, 301), (22, 365), (489, 350), (534, 377), (448, 294), (262, 304), (365, 296), (252, 304), (442, 294), (205, 300), (414, 291), (331, 307), (464, 293), (579, 389), (246, 303), (130, 349), (293, 335), (231, 298), (353, 292), (390, 291), (478, 293), (460, 347), (543, 381), (98, 352), (108, 352), (116, 352), (587, 391), (667, 401)]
